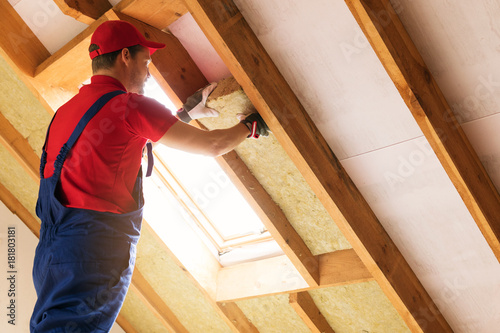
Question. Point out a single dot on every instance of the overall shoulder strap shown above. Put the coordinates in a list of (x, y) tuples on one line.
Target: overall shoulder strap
[(89, 114)]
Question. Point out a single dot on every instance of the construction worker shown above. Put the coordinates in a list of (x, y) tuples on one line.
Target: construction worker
[(90, 198)]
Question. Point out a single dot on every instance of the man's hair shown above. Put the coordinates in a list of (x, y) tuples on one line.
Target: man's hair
[(106, 61)]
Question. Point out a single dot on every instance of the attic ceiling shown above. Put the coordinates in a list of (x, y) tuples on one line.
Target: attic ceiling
[(385, 138)]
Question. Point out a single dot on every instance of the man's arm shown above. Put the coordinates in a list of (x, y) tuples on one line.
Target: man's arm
[(212, 143)]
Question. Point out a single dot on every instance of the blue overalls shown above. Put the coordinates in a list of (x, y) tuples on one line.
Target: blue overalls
[(84, 260)]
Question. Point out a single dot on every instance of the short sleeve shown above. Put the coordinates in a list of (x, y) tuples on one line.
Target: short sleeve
[(147, 117)]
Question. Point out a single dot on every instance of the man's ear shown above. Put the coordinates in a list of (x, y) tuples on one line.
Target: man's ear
[(125, 56)]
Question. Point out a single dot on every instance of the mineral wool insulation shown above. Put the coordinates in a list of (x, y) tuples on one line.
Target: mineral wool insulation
[(272, 167)]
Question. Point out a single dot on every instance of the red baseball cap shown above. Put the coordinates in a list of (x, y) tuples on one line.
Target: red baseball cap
[(115, 35)]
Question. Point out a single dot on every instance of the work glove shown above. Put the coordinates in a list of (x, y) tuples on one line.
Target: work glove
[(195, 108), (256, 125)]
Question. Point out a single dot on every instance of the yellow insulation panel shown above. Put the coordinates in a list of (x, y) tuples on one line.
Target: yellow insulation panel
[(178, 291), (21, 108), (355, 308), (270, 164), (273, 314), (139, 316)]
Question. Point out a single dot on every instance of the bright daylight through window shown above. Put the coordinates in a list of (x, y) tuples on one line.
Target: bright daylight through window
[(193, 190)]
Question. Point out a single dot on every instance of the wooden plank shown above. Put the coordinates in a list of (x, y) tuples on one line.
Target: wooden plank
[(125, 324), (235, 315), (157, 13), (272, 217), (19, 41), (276, 275), (17, 208), (307, 310), (264, 277), (342, 267), (19, 147), (432, 112), (248, 61), (154, 302), (85, 11)]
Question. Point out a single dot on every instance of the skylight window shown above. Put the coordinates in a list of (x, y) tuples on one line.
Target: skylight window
[(206, 199)]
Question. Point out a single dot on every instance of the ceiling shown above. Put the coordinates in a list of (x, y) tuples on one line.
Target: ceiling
[(370, 182)]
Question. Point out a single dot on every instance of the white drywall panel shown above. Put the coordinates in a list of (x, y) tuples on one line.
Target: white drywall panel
[(421, 210), (325, 58), (48, 23), (460, 43)]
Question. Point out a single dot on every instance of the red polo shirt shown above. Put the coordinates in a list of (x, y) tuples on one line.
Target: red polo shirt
[(100, 171)]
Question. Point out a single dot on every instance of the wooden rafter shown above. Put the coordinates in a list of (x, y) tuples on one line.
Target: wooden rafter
[(307, 310), (235, 315), (85, 11), (248, 61), (19, 42), (420, 92), (18, 147), (157, 13), (154, 302)]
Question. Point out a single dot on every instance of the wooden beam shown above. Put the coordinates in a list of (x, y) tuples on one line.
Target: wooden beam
[(341, 268), (19, 41), (264, 277), (235, 315), (17, 208), (425, 100), (19, 147), (85, 11), (307, 310), (248, 61), (125, 324), (157, 13), (278, 276), (272, 217), (154, 302)]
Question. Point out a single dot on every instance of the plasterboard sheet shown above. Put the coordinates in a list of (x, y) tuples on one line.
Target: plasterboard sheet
[(172, 284), (360, 307), (329, 64), (273, 314), (45, 19), (421, 210), (484, 135), (199, 48), (459, 41)]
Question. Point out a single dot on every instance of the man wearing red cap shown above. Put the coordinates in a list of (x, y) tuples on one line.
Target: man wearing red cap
[(90, 198)]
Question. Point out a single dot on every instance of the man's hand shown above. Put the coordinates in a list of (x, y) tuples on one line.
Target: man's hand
[(255, 124), (195, 108)]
